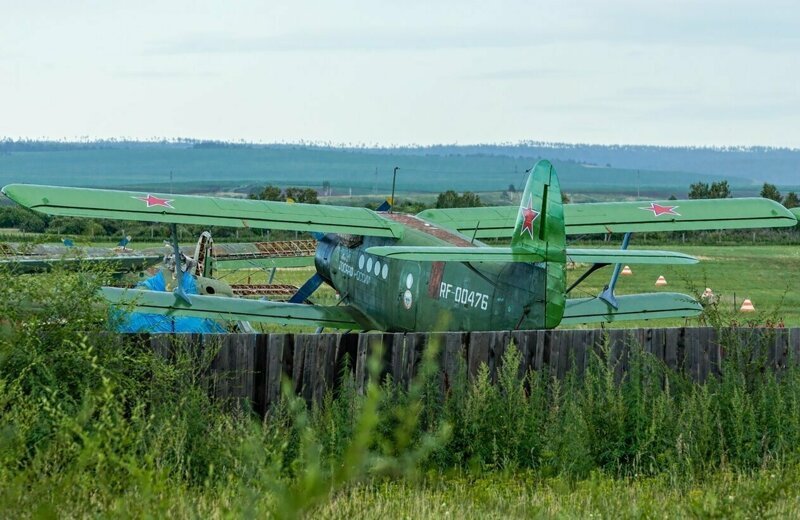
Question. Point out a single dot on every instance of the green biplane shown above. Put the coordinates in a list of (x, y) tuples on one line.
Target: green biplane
[(429, 272)]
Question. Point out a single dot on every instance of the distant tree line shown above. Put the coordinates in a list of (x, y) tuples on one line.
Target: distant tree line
[(291, 194), (721, 190), (451, 199), (716, 190)]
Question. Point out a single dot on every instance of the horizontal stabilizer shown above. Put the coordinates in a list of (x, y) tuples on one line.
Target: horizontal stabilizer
[(235, 309), (623, 217), (208, 211), (627, 256), (631, 307), (455, 254)]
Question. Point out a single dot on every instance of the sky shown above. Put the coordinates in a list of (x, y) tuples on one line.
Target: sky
[(712, 73)]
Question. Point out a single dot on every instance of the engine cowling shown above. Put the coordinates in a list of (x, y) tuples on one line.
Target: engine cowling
[(324, 255)]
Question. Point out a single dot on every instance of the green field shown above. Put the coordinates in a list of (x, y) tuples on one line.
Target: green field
[(524, 495), (768, 275)]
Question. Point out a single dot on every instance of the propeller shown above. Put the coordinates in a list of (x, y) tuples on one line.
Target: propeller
[(311, 285), (178, 274)]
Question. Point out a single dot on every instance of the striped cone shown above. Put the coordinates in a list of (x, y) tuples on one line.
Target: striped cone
[(626, 271), (747, 306), (661, 281)]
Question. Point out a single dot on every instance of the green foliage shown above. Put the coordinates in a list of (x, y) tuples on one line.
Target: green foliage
[(791, 200), (92, 425), (717, 190), (22, 218), (274, 193), (451, 199), (770, 191)]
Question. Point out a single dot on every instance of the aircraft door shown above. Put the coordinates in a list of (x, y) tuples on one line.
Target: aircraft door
[(407, 295)]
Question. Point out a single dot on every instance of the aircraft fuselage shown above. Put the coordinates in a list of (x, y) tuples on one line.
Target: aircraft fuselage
[(403, 295)]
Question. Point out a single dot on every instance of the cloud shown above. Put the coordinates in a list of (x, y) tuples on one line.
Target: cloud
[(520, 74), (162, 74), (347, 39)]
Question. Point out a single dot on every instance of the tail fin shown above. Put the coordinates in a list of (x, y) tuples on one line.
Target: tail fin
[(540, 221), (540, 229)]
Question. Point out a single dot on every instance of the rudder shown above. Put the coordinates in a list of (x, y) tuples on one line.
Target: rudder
[(540, 229)]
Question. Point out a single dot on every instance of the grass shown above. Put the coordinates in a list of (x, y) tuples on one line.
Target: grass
[(94, 426), (524, 495), (768, 275)]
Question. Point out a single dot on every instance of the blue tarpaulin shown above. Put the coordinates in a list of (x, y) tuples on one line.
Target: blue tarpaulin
[(157, 323)]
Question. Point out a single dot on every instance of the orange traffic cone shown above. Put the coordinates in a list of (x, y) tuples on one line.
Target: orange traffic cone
[(626, 271), (661, 280), (747, 306)]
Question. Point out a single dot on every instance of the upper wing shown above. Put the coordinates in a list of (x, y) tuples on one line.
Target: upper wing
[(507, 254), (218, 307), (210, 211), (631, 307), (622, 217), (796, 212)]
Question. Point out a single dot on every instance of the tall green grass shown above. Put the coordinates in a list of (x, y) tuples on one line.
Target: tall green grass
[(93, 425)]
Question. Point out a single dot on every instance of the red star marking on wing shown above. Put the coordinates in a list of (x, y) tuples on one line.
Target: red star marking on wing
[(152, 200), (528, 216), (659, 210)]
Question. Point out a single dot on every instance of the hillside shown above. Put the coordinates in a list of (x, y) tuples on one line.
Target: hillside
[(198, 165)]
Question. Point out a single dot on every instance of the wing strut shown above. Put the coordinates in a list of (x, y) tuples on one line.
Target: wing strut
[(608, 292), (585, 275)]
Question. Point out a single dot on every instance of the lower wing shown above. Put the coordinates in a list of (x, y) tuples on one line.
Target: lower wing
[(631, 307), (235, 309)]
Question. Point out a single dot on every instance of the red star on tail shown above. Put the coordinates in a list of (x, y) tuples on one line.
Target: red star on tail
[(152, 200), (528, 216), (659, 210)]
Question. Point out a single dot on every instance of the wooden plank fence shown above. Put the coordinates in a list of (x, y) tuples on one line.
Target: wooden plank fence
[(252, 366)]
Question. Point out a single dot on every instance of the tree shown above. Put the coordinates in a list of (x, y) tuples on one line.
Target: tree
[(451, 199), (791, 200), (770, 191), (269, 192), (717, 190), (699, 190), (565, 198), (448, 199), (303, 195), (470, 200)]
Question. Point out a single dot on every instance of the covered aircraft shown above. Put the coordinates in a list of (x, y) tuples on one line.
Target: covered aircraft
[(428, 272)]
